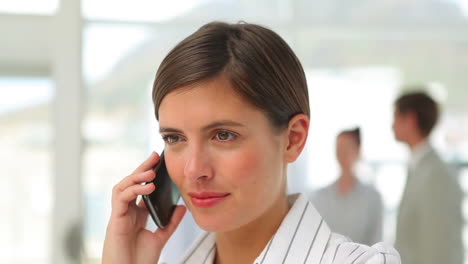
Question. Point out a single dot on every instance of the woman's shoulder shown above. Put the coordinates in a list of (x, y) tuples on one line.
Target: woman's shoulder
[(340, 249)]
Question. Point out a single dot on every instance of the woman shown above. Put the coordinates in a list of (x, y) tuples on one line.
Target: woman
[(348, 198), (233, 109)]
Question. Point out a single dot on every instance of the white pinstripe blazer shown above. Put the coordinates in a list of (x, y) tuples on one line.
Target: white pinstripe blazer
[(303, 237)]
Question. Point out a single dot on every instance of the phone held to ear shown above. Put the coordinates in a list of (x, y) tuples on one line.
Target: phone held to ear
[(163, 200)]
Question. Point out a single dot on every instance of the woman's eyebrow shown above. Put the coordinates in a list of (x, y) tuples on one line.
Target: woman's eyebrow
[(169, 130), (222, 123), (207, 127)]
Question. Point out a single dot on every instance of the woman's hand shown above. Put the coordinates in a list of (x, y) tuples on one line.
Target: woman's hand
[(127, 241)]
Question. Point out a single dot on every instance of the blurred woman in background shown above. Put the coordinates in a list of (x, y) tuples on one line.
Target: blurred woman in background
[(349, 206)]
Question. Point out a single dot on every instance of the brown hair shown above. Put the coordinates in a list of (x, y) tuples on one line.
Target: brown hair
[(423, 106), (355, 134), (259, 64)]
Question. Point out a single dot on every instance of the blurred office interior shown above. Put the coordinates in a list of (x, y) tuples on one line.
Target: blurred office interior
[(76, 114)]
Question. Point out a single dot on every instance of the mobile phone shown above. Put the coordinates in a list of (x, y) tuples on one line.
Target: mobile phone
[(163, 200)]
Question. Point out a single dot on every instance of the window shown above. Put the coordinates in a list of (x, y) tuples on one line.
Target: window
[(26, 186), (40, 7), (186, 10)]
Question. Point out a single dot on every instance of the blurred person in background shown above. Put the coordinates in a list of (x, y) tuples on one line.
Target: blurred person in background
[(429, 224), (350, 207), (233, 109)]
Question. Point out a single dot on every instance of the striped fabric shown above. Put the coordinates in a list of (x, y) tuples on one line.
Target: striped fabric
[(303, 237)]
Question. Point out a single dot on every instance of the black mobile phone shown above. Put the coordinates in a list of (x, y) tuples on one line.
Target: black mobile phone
[(163, 200)]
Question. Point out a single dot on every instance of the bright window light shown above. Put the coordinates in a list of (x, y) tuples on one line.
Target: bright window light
[(19, 93), (463, 4), (41, 7), (104, 46), (343, 99), (139, 10), (26, 184)]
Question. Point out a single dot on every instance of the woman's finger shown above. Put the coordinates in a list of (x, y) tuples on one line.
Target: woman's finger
[(122, 200), (164, 234), (133, 179), (141, 204)]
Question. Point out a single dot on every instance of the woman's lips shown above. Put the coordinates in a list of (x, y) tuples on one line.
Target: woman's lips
[(207, 199)]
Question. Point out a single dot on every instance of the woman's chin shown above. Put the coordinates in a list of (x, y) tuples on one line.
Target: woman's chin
[(210, 224)]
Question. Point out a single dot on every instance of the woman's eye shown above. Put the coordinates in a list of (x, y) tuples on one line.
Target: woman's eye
[(171, 139), (225, 136)]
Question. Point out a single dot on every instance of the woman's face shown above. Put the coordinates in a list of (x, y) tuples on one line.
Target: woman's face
[(347, 151), (223, 155)]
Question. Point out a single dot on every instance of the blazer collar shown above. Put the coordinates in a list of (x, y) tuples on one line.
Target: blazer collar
[(301, 237)]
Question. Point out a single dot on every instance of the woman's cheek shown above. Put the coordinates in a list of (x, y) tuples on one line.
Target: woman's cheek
[(243, 166), (175, 167)]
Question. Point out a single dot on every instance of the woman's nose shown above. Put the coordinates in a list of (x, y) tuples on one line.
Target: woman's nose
[(197, 165)]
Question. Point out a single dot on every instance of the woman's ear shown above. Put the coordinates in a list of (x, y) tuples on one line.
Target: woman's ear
[(296, 133)]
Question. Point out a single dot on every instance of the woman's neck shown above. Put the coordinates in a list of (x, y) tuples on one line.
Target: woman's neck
[(244, 244), (346, 182)]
